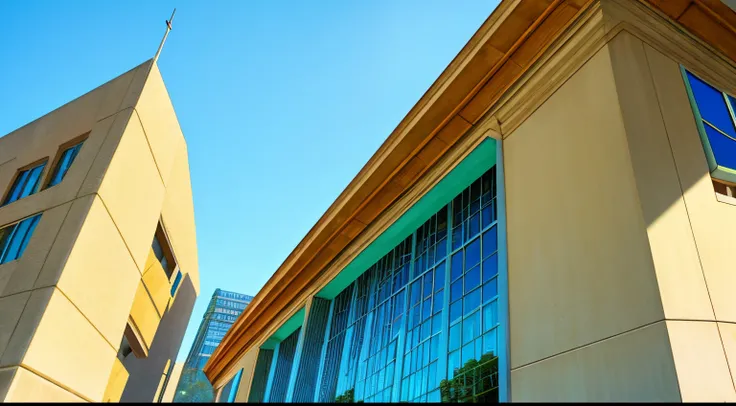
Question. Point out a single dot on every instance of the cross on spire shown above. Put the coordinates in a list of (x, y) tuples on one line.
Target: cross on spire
[(166, 34)]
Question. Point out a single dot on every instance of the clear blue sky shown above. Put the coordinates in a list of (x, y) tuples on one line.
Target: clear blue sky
[(281, 102)]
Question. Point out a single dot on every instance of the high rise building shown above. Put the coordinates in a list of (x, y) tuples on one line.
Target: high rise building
[(98, 253), (222, 311), (553, 221)]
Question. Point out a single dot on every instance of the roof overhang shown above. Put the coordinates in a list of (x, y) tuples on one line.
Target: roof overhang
[(508, 43)]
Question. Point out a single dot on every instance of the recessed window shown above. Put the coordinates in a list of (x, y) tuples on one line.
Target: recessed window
[(177, 281), (26, 182), (64, 162), (714, 113), (163, 252), (132, 343), (14, 238)]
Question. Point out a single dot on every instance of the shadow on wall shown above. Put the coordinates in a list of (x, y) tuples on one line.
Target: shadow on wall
[(145, 373)]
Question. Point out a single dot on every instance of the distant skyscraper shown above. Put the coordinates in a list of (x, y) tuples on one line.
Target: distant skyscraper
[(223, 309)]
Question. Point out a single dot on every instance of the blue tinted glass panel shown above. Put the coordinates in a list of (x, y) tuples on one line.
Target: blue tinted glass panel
[(25, 184), (490, 316), (490, 242), (176, 283), (456, 268), (724, 148), (439, 277), (472, 279), (65, 162), (14, 239), (490, 290), (712, 105), (472, 254), (472, 301), (456, 310), (490, 267), (456, 290), (34, 179)]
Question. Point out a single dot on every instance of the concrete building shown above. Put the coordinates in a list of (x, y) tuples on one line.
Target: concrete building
[(222, 311), (98, 263), (553, 221)]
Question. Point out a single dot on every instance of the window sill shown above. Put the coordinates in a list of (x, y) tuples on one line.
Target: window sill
[(726, 199)]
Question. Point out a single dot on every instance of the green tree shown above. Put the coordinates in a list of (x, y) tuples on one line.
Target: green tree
[(474, 382), (347, 397), (194, 387)]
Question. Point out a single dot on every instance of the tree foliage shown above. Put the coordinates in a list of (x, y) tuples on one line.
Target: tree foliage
[(194, 387), (474, 382)]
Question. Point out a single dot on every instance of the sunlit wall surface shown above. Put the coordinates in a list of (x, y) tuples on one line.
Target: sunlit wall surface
[(222, 311), (418, 325)]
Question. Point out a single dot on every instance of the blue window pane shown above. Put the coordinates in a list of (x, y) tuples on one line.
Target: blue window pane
[(407, 364), (472, 279), (455, 333), (439, 277), (419, 266), (434, 397), (471, 327), (436, 324), (17, 188), (490, 316), (490, 267), (426, 328), (405, 390), (456, 310), (425, 379), (472, 301), (433, 380), (724, 148), (456, 290), (416, 293), (19, 239), (456, 268), (33, 222), (472, 254), (176, 283), (468, 352), (457, 237), (428, 284), (490, 242), (25, 184), (34, 179), (414, 317), (453, 363), (439, 301), (434, 347), (441, 250), (487, 215), (490, 290), (489, 343), (473, 225), (712, 105), (399, 307), (427, 309)]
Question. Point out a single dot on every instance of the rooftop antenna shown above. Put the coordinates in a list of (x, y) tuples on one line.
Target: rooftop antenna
[(166, 34)]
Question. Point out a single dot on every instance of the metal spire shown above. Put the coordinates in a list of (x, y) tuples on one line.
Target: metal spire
[(166, 34)]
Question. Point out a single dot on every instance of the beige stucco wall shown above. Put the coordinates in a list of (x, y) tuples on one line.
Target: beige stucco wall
[(67, 299), (620, 274), (582, 281)]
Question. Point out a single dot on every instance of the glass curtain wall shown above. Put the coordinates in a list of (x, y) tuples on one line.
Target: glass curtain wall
[(420, 325)]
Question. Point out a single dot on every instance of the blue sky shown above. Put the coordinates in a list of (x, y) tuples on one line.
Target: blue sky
[(281, 102)]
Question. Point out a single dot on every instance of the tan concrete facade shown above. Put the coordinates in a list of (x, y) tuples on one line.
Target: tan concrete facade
[(88, 270)]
